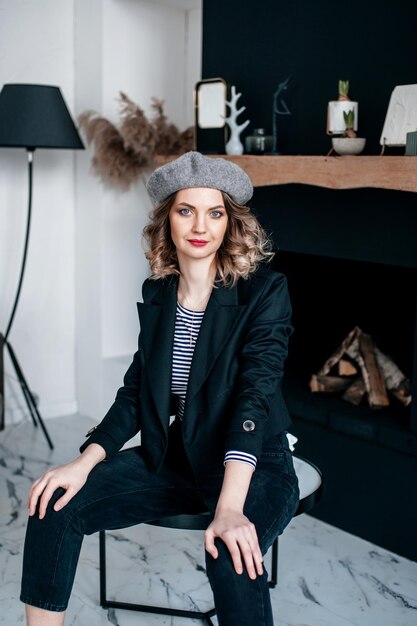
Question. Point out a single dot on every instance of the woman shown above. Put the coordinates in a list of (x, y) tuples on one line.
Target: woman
[(226, 450)]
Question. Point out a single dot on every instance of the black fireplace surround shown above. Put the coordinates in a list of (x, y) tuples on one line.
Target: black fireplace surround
[(349, 263), (350, 255)]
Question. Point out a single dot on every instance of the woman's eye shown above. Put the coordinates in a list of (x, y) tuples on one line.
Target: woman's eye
[(216, 213), (184, 211)]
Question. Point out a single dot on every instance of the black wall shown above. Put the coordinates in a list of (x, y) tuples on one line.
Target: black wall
[(350, 255), (257, 44)]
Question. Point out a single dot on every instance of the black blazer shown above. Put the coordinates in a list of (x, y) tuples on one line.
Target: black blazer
[(234, 399)]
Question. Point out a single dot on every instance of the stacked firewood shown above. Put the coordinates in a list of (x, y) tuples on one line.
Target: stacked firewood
[(360, 368)]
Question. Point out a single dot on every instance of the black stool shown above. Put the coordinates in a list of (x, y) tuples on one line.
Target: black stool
[(310, 484)]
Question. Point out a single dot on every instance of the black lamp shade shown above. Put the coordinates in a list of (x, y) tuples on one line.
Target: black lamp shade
[(36, 116)]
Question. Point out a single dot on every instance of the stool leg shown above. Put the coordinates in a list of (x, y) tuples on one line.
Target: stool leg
[(102, 558), (130, 606), (274, 565)]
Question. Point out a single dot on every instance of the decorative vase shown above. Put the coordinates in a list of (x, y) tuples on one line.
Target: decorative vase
[(234, 145)]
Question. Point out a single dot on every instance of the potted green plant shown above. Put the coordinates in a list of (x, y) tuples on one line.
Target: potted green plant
[(349, 118), (349, 142), (342, 122)]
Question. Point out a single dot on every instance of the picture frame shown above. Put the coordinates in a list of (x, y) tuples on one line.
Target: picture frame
[(401, 117), (210, 97)]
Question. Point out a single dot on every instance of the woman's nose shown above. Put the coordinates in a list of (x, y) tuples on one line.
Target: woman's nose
[(199, 225)]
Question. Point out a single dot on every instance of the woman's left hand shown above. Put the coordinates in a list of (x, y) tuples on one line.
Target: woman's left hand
[(239, 535)]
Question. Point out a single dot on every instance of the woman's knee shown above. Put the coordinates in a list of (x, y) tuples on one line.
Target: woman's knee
[(55, 521), (222, 566), (238, 598)]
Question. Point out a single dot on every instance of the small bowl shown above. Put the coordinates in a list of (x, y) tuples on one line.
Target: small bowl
[(348, 145)]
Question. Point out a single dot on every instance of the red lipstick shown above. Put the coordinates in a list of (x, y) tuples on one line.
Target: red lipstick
[(198, 242)]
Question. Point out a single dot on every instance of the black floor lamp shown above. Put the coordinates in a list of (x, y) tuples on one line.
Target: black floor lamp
[(31, 116)]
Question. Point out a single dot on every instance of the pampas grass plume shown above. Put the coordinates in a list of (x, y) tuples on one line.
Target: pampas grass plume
[(122, 155)]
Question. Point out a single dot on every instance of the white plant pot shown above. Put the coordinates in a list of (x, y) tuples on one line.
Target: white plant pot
[(348, 145)]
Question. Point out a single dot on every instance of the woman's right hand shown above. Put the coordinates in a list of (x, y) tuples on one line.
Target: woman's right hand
[(71, 477)]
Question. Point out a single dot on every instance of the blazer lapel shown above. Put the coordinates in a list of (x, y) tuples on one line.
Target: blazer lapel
[(157, 323), (222, 313)]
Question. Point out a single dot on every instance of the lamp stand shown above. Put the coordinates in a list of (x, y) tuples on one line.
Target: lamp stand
[(4, 341)]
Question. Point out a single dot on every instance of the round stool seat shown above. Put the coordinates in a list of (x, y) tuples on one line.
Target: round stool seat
[(309, 482)]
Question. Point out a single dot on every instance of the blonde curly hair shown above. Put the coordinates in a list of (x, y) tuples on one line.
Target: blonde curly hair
[(244, 246)]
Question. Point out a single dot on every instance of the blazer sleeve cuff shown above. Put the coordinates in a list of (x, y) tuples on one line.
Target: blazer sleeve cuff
[(248, 442), (104, 440)]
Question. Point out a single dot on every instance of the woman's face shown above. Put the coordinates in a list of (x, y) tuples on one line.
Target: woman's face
[(198, 222)]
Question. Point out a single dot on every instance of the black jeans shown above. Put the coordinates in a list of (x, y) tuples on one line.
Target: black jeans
[(124, 492)]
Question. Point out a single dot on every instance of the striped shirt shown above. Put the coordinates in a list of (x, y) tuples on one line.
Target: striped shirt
[(187, 326)]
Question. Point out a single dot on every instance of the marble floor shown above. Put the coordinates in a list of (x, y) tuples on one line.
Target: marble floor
[(327, 577)]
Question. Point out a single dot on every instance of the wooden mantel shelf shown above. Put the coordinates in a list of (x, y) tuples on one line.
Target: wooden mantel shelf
[(333, 172)]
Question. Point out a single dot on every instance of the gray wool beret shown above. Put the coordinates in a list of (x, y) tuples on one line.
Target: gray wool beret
[(193, 169)]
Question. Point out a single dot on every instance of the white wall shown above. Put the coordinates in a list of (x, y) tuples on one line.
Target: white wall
[(36, 46), (85, 264), (143, 56), (144, 52)]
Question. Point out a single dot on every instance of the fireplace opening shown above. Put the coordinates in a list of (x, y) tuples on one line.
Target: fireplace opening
[(329, 298)]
